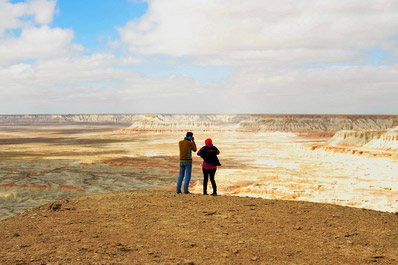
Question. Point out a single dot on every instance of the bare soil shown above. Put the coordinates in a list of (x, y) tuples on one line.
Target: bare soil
[(161, 227)]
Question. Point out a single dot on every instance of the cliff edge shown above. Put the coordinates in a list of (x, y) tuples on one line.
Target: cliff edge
[(151, 227)]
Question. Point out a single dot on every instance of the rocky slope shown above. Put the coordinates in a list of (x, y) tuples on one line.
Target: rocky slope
[(160, 227)]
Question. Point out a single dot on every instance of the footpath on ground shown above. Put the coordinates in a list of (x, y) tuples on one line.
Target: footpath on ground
[(161, 227)]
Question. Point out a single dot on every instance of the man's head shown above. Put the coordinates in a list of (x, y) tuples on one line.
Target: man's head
[(189, 134)]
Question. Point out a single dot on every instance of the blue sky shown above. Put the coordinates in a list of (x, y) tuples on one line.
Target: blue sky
[(94, 22), (189, 56)]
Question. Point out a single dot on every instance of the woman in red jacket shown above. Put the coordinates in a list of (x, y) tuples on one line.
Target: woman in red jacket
[(209, 167)]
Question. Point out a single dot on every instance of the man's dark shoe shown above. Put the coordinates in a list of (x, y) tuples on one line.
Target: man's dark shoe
[(213, 194), (178, 192), (205, 194), (187, 192)]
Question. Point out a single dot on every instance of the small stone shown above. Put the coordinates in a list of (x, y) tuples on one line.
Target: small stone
[(55, 206), (125, 249), (254, 258), (241, 242), (235, 251), (186, 263)]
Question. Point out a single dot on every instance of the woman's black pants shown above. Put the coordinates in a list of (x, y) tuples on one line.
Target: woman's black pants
[(206, 173)]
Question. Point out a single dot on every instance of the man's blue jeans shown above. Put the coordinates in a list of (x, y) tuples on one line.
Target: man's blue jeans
[(185, 169)]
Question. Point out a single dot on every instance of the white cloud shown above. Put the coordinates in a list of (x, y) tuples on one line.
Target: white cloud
[(343, 89), (37, 43), (91, 84), (130, 60), (286, 32), (12, 15), (36, 39), (42, 10)]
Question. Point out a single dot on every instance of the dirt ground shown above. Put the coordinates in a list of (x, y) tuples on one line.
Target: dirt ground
[(161, 227)]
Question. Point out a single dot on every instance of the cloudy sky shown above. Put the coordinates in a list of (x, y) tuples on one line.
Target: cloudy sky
[(199, 56)]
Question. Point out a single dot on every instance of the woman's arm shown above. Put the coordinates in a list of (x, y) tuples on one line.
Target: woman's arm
[(198, 153)]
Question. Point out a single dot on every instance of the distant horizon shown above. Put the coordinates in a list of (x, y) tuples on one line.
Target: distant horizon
[(270, 114)]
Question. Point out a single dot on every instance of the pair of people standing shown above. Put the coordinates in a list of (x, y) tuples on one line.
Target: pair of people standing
[(209, 167)]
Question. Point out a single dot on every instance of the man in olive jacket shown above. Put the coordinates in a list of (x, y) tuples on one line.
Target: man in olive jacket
[(187, 146)]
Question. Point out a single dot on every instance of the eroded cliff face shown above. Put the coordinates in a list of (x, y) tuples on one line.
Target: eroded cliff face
[(67, 118), (319, 122), (388, 140), (383, 139), (330, 123), (175, 122)]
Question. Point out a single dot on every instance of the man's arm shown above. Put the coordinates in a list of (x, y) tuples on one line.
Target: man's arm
[(193, 146)]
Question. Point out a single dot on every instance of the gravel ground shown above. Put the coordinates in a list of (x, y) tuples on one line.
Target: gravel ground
[(161, 227)]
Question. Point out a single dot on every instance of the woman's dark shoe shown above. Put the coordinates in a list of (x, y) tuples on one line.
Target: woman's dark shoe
[(213, 194), (205, 194)]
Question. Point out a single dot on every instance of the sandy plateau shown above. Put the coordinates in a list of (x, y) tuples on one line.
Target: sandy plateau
[(42, 163)]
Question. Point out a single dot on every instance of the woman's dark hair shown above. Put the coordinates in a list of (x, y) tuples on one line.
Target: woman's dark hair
[(189, 134)]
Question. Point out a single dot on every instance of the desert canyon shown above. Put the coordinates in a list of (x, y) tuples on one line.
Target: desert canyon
[(348, 160)]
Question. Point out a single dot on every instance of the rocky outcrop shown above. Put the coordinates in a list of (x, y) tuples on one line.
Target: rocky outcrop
[(173, 122), (354, 138), (383, 139), (388, 140)]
